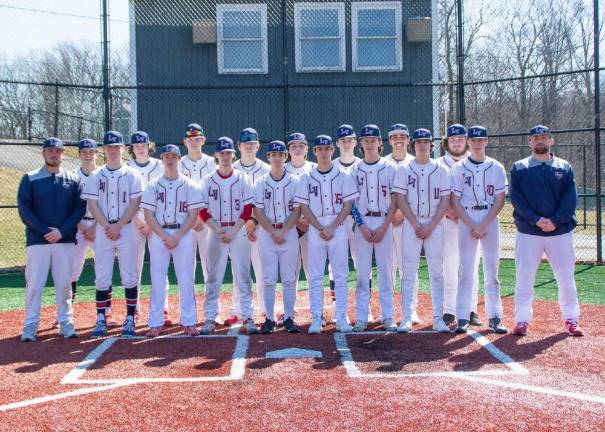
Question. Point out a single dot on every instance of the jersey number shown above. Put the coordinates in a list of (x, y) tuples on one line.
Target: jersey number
[(237, 206), (182, 206), (490, 190), (124, 197), (384, 190), (436, 194), (338, 198)]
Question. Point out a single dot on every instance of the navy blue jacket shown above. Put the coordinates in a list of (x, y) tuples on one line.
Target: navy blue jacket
[(50, 200), (543, 189)]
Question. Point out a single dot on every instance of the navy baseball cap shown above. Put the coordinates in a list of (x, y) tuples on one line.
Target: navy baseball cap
[(139, 137), (170, 148), (277, 147), (456, 130), (113, 138), (248, 135), (297, 136), (370, 130), (52, 142), (539, 130), (87, 143), (193, 130), (477, 132), (345, 131), (399, 128), (323, 140), (225, 144), (422, 133)]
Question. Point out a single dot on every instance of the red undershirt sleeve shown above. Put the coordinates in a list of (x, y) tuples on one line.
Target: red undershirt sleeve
[(246, 213), (204, 215)]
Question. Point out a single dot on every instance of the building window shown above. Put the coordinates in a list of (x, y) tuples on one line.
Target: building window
[(376, 31), (319, 30), (242, 38)]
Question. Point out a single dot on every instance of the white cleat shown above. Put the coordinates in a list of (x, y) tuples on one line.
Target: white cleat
[(315, 327), (405, 326), (440, 325)]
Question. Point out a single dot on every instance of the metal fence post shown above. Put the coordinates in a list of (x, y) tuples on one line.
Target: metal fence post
[(460, 57), (597, 131), (29, 123), (56, 123), (105, 43)]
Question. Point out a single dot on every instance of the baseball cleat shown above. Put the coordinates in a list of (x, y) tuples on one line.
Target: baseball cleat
[(521, 328), (389, 325), (449, 319), (153, 332), (128, 328), (29, 333), (573, 328), (405, 326), (360, 326), (440, 326), (474, 320), (416, 319), (167, 320), (495, 325), (250, 326), (233, 319), (462, 326), (191, 331), (100, 329), (291, 326), (315, 327), (208, 327), (67, 330), (268, 327), (343, 326)]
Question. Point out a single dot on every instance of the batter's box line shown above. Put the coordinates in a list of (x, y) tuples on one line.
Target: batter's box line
[(238, 364), (353, 371)]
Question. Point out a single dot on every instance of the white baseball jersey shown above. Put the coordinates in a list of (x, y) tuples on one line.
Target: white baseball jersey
[(170, 200), (197, 170), (348, 167), (423, 185), (478, 184), (407, 159), (255, 171), (152, 169), (375, 185), (301, 170), (113, 189), (84, 178), (275, 197), (325, 193), (225, 198)]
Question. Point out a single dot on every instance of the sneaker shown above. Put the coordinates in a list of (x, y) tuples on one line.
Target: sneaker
[(208, 327), (315, 327), (405, 326), (573, 328), (128, 328), (233, 319), (521, 328), (440, 326), (167, 320), (190, 331), (109, 319), (448, 319), (268, 327), (389, 325), (360, 326), (153, 332), (29, 333), (100, 329), (462, 326), (67, 330), (291, 326), (343, 326), (474, 320), (250, 326), (416, 319), (495, 325)]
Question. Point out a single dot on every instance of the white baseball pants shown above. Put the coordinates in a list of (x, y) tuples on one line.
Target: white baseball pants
[(398, 262), (200, 244), (303, 241), (141, 243), (255, 259), (79, 254), (560, 253), (105, 251)]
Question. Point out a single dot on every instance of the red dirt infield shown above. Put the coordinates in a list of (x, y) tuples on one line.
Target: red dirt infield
[(370, 381)]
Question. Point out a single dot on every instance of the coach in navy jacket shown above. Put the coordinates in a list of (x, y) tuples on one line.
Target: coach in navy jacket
[(50, 207), (543, 194)]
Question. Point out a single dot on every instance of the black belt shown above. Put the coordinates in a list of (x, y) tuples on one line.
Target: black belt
[(171, 226), (115, 221), (478, 207), (88, 218), (375, 214), (227, 224), (278, 225)]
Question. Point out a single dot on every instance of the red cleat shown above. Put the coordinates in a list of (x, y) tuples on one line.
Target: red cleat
[(233, 319), (521, 329), (167, 320), (573, 328)]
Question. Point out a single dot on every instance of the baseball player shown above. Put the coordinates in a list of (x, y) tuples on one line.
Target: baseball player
[(543, 194), (278, 240), (171, 204), (298, 165), (325, 196), (197, 165), (455, 148), (479, 184), (424, 187), (50, 207), (149, 168), (399, 138), (228, 197), (373, 213), (255, 168), (113, 194)]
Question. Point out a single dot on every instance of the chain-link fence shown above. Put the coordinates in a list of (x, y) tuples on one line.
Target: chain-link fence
[(284, 66)]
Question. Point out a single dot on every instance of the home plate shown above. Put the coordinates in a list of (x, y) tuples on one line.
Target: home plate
[(293, 353)]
